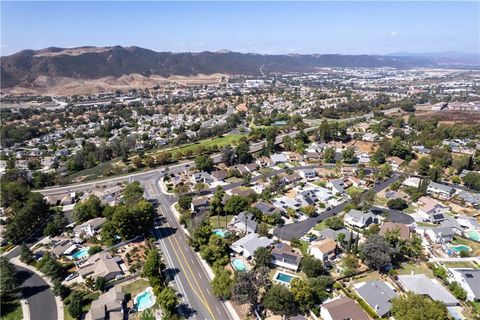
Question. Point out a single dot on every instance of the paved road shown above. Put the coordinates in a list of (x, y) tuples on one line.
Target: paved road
[(394, 215), (299, 229), (191, 279), (37, 292)]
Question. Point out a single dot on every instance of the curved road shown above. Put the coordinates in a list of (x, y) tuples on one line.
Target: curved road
[(37, 292)]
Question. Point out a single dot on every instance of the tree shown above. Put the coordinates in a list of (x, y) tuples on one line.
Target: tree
[(100, 283), (60, 290), (423, 166), (132, 194), (228, 155), (168, 301), (8, 281), (185, 201), (262, 257), (310, 210), (216, 251), (435, 173), (244, 290), (243, 151), (312, 267), (222, 284), (75, 306), (153, 266), (235, 204), (88, 209), (246, 178), (348, 155), (472, 180), (94, 249), (321, 286), (329, 155), (204, 163), (303, 293), (335, 223), (457, 291), (26, 255), (376, 252), (279, 300), (397, 204), (368, 198), (418, 307)]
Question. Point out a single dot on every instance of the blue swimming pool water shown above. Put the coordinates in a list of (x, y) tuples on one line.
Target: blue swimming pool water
[(219, 232), (460, 247), (144, 300), (474, 235), (79, 254), (284, 277), (239, 265)]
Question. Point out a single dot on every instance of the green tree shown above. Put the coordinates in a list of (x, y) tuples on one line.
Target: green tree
[(204, 163), (311, 267), (243, 151), (235, 204), (397, 204), (423, 166), (244, 289), (75, 305), (216, 251), (418, 307), (262, 257), (60, 290), (132, 194), (348, 155), (457, 291), (8, 281), (100, 283), (303, 293), (26, 255), (472, 180), (184, 201), (329, 155), (153, 266), (88, 209), (222, 284), (94, 249), (376, 252), (279, 300)]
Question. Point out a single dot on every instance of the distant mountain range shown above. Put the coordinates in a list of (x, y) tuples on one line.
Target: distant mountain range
[(25, 67)]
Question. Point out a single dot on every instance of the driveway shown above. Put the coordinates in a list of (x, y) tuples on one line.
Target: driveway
[(394, 215)]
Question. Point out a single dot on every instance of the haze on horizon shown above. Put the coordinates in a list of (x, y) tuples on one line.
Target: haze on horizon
[(260, 27)]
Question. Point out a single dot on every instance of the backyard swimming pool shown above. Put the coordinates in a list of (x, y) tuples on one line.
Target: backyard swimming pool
[(219, 232), (474, 235), (284, 278), (460, 247), (145, 299), (239, 265), (79, 254)]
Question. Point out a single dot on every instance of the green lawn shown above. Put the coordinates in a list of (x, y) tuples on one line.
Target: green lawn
[(353, 189), (320, 226), (411, 209), (425, 224), (214, 221), (91, 173), (11, 311), (476, 306), (460, 264), (135, 287), (228, 139), (380, 201), (417, 268)]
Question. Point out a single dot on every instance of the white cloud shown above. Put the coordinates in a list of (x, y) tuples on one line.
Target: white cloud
[(393, 34)]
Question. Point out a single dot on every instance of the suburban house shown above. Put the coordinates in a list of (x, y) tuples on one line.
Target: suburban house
[(265, 162), (308, 174), (199, 177), (109, 305), (247, 245), (469, 279), (348, 171), (278, 158), (199, 205), (440, 234), (360, 219), (468, 222), (333, 234), (440, 190), (421, 284), (101, 264), (291, 178), (265, 207), (284, 256), (337, 186), (469, 198), (429, 206), (219, 175), (378, 295), (89, 228), (63, 247), (244, 222), (395, 162), (294, 157), (342, 308), (403, 230), (323, 249)]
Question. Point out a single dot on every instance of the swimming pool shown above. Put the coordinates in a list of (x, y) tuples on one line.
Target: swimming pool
[(145, 299), (238, 264), (474, 235), (460, 247), (284, 278), (219, 232), (79, 254)]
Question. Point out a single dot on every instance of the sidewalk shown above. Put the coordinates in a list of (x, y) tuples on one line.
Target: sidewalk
[(59, 302), (25, 309)]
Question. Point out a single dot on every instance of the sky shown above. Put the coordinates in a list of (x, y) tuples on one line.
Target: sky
[(260, 27)]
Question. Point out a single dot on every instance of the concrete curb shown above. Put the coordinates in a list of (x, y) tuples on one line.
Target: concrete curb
[(25, 309), (59, 302)]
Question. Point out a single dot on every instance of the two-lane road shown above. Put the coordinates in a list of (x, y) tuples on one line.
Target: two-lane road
[(191, 279)]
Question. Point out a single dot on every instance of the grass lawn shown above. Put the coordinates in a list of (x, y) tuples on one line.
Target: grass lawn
[(214, 221), (91, 173), (228, 139), (370, 276), (135, 287), (472, 244), (353, 189), (11, 311), (320, 183), (476, 306), (380, 201), (265, 170), (320, 226), (425, 224), (282, 166), (411, 209), (304, 248), (417, 268)]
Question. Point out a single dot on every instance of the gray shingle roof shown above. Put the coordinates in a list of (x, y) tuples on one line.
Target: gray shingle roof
[(421, 284), (378, 295)]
